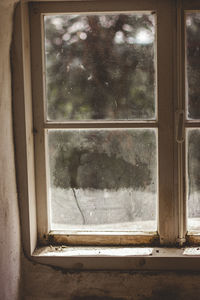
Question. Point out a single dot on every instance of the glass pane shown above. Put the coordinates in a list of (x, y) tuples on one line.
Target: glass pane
[(103, 179), (193, 65), (193, 188), (100, 67)]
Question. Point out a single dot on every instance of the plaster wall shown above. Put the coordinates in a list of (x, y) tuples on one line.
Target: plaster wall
[(9, 216), (46, 283), (43, 282)]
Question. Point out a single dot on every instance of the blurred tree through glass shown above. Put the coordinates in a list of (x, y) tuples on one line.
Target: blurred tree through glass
[(100, 66), (193, 113), (193, 64), (103, 176)]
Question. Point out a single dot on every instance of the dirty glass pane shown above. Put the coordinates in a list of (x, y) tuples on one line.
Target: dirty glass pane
[(193, 65), (193, 187), (103, 179), (100, 67)]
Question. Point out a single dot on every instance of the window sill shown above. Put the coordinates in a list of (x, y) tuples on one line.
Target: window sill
[(119, 258)]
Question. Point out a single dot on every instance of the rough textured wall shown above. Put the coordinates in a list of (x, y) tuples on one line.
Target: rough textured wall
[(45, 283), (42, 282), (9, 217)]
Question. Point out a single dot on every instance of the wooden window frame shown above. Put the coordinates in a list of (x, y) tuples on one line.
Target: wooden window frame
[(165, 113), (171, 89)]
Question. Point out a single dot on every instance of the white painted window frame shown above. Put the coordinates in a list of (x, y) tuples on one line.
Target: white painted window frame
[(165, 113), (172, 205)]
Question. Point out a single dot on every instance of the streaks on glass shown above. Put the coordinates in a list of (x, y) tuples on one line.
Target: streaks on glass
[(193, 175), (103, 179), (100, 67), (193, 65)]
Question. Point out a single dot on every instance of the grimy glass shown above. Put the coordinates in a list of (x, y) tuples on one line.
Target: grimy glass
[(193, 115), (101, 68)]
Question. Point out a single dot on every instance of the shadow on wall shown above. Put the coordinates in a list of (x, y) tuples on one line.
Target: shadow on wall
[(167, 293), (96, 298)]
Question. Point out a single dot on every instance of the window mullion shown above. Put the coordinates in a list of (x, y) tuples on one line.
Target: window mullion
[(167, 218), (180, 109)]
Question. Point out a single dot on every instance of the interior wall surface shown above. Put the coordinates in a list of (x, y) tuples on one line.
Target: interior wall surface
[(44, 282), (9, 214)]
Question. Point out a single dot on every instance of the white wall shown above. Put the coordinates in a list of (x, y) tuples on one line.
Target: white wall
[(9, 216)]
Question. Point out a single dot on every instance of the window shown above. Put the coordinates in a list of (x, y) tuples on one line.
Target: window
[(115, 121), (96, 114)]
